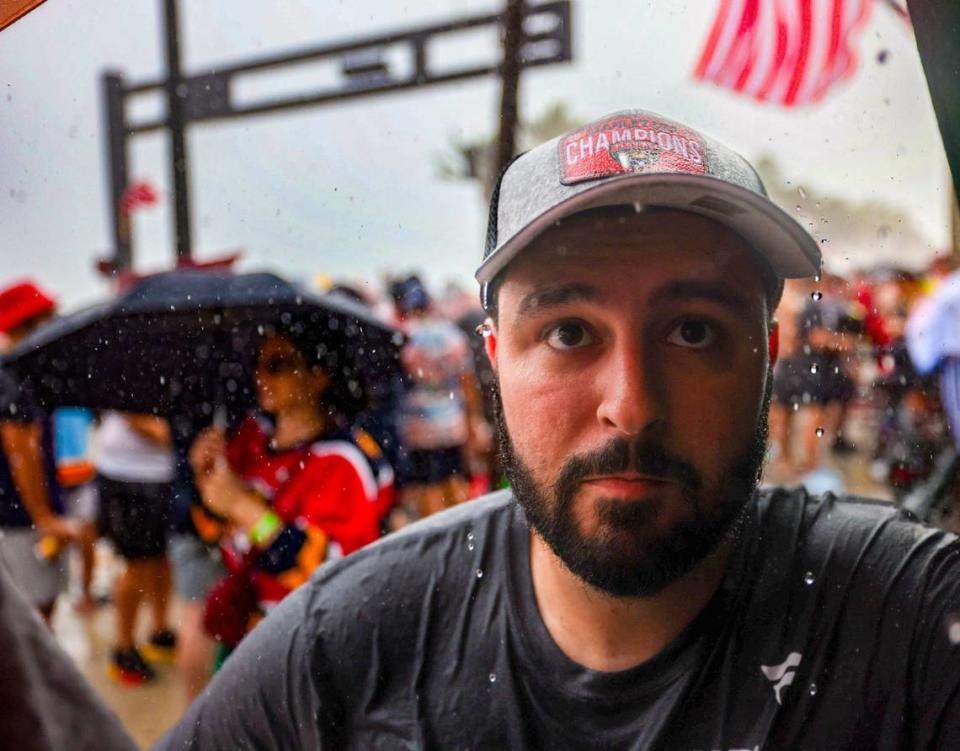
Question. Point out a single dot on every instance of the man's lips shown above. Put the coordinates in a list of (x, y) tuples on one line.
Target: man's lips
[(627, 483)]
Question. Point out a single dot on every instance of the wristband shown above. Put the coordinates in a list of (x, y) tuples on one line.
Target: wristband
[(265, 527)]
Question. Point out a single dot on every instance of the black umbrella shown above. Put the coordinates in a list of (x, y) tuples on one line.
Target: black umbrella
[(186, 340)]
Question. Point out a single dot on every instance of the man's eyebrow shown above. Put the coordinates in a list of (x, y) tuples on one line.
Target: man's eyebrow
[(714, 291), (556, 294)]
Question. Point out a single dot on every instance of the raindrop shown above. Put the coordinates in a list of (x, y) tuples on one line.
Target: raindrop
[(824, 241), (479, 573), (637, 206), (796, 406), (813, 689), (820, 432), (802, 192), (808, 578), (816, 295), (493, 677), (470, 536), (814, 368), (470, 546)]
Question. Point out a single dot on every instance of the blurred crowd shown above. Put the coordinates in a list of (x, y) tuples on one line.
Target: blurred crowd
[(845, 384), (229, 513)]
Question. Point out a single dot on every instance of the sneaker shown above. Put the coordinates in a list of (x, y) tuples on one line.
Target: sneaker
[(127, 667), (161, 647)]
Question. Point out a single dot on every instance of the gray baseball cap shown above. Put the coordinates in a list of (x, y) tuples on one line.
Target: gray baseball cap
[(642, 159)]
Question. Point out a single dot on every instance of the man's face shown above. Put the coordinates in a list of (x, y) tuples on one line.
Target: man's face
[(632, 360)]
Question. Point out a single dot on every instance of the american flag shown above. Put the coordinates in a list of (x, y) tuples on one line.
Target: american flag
[(789, 52)]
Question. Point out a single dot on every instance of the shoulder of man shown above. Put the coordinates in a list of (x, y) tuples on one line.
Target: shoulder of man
[(863, 592), (355, 623), (393, 573), (847, 533)]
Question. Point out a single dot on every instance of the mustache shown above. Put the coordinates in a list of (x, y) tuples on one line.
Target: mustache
[(645, 455)]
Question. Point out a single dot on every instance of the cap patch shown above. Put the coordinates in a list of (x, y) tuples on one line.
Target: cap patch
[(629, 144)]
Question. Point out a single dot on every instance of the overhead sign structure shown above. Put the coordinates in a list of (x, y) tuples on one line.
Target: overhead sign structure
[(366, 68), (13, 10)]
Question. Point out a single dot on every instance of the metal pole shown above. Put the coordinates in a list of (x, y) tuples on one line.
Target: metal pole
[(178, 146), (116, 132), (510, 75)]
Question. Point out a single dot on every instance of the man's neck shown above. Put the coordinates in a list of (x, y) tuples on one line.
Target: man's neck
[(607, 633)]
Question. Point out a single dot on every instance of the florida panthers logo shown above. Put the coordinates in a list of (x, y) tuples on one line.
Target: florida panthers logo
[(635, 157)]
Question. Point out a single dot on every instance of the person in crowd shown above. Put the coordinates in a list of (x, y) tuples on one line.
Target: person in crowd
[(135, 465), (841, 322), (441, 415), (789, 378), (634, 588), (73, 427), (32, 522), (195, 560), (294, 486), (813, 380)]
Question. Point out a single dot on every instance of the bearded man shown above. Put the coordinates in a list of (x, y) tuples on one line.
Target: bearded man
[(634, 589)]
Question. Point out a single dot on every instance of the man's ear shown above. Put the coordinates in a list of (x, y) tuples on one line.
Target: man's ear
[(490, 342), (773, 343)]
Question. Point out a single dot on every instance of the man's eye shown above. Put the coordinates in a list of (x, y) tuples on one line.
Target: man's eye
[(568, 335), (693, 333)]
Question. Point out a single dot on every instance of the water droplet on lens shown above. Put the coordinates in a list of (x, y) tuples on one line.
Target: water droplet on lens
[(493, 677), (479, 573), (809, 578), (814, 368), (470, 546), (817, 295), (470, 536), (820, 432)]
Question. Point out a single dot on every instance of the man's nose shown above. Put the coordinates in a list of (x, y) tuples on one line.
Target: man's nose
[(631, 399)]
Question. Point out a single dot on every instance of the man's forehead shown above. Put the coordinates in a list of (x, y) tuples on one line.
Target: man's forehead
[(640, 248)]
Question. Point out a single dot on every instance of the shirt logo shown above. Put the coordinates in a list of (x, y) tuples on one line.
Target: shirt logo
[(629, 144), (782, 675)]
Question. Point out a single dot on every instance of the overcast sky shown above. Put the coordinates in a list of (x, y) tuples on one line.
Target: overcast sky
[(352, 189)]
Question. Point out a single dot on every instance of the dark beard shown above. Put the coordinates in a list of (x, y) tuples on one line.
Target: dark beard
[(629, 557)]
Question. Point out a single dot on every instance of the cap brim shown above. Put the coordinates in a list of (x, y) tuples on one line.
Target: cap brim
[(770, 231)]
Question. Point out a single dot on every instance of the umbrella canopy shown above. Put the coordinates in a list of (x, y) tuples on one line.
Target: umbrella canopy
[(187, 339), (933, 330)]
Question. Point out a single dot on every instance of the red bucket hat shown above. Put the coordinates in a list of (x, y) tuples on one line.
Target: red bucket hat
[(21, 302)]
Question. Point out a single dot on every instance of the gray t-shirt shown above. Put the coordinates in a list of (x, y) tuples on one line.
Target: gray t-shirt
[(834, 628)]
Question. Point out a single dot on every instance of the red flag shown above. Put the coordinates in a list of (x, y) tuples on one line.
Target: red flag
[(138, 194), (785, 51)]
